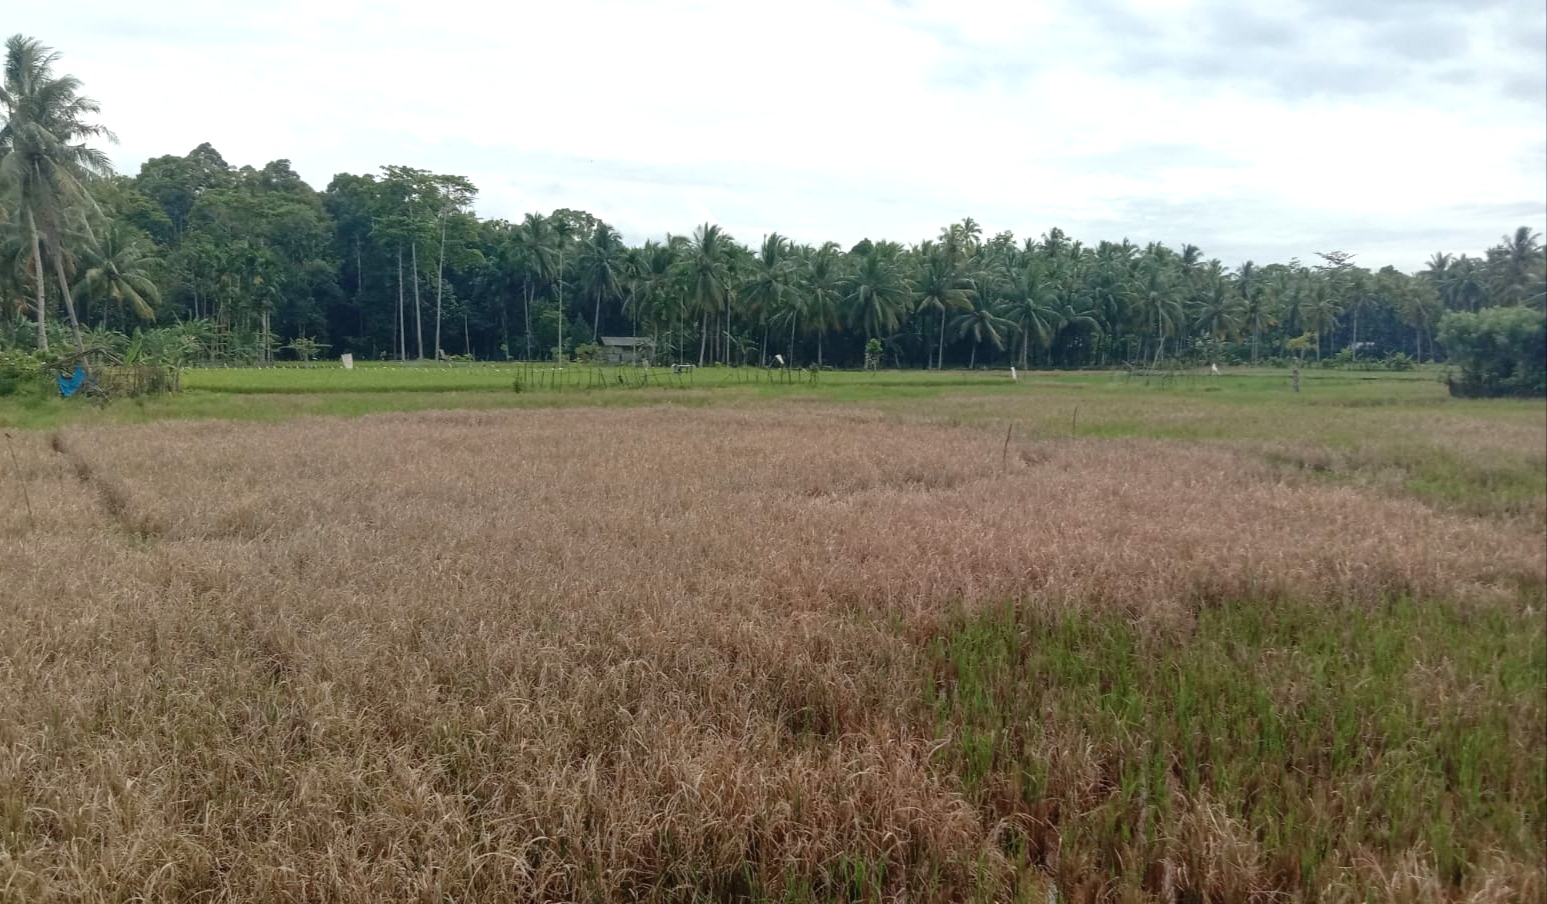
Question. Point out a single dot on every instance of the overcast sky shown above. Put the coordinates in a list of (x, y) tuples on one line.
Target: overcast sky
[(1390, 128)]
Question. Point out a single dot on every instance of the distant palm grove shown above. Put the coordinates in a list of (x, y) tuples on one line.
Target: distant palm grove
[(215, 262)]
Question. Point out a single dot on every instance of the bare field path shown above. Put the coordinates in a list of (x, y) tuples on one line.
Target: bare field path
[(664, 653)]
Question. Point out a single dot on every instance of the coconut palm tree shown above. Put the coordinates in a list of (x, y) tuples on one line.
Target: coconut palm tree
[(1189, 266), (649, 275), (1362, 293), (1030, 303), (822, 280), (564, 234), (1155, 303), (1468, 288), (601, 271), (535, 251), (1110, 285), (941, 287), (707, 272), (770, 283), (1291, 285), (1075, 312), (1438, 271), (960, 241), (1256, 304), (877, 294), (1218, 304), (1513, 263), (117, 270), (981, 324), (46, 164), (1418, 306), (1321, 308)]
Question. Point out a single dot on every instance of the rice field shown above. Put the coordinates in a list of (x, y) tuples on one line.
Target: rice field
[(1078, 641)]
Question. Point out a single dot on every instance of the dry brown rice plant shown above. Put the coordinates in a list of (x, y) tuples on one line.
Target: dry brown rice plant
[(592, 655)]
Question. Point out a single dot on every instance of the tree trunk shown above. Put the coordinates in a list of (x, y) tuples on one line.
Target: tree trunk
[(972, 362), (1355, 346), (527, 313), (940, 358), (1025, 348), (819, 349), (418, 313), (402, 319), (1255, 336), (703, 335), (359, 284), (561, 355), (37, 272), (791, 362), (69, 303), (596, 320), (440, 284)]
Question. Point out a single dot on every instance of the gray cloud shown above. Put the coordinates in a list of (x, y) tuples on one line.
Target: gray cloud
[(1256, 130), (197, 25), (1325, 49), (1148, 158)]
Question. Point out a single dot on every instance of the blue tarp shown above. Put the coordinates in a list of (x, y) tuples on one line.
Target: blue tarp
[(69, 385)]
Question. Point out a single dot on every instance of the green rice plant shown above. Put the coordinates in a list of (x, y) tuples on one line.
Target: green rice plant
[(1327, 733)]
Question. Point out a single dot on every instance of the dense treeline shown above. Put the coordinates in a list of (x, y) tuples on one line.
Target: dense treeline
[(253, 264)]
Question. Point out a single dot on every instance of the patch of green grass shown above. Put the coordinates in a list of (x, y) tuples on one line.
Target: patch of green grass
[(1484, 482), (331, 378), (1478, 486), (1326, 734), (1396, 432)]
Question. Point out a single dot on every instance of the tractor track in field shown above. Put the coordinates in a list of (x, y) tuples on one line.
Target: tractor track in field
[(110, 494)]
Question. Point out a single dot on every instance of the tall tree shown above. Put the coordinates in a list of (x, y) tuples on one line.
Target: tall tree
[(1344, 289), (1218, 306), (414, 197), (1256, 303), (453, 195), (1514, 264), (981, 324), (1420, 307), (46, 163), (707, 272), (1031, 304), (1156, 305), (117, 270), (566, 230), (878, 295), (823, 284), (536, 252), (769, 285), (652, 295), (941, 288), (601, 264), (1321, 308)]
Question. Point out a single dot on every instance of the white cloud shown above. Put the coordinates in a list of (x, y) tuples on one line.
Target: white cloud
[(1258, 131)]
